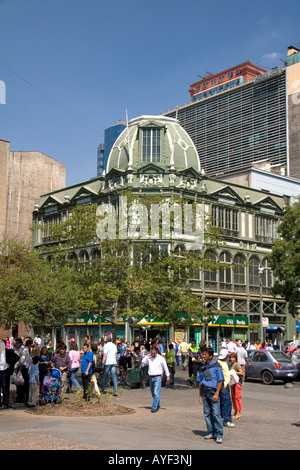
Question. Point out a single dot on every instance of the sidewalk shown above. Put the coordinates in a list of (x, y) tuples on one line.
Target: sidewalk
[(270, 417)]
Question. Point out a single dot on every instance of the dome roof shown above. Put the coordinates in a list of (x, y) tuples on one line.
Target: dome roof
[(153, 139)]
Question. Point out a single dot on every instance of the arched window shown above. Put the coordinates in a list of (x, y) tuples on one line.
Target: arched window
[(72, 259), (225, 274), (96, 256), (239, 270), (210, 274), (254, 271), (267, 280), (83, 258)]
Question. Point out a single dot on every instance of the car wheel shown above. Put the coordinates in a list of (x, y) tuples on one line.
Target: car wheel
[(267, 378)]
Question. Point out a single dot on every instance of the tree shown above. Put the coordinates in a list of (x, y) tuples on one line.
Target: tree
[(133, 276), (32, 291), (285, 258)]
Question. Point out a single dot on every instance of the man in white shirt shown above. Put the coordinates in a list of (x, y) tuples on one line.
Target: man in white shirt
[(37, 340), (109, 361), (242, 357), (231, 347), (156, 366)]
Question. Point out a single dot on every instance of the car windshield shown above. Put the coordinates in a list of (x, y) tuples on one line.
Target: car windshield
[(281, 356)]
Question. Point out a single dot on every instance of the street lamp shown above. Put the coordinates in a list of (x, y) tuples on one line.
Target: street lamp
[(207, 318), (260, 274)]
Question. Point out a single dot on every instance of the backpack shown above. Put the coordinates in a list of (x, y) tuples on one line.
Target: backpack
[(97, 363)]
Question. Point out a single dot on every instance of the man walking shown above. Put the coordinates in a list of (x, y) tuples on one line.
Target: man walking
[(157, 365), (225, 397), (109, 361), (183, 349), (210, 383)]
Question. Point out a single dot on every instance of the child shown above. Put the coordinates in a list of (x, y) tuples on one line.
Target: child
[(34, 383)]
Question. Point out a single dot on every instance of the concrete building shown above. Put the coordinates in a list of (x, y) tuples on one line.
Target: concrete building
[(154, 155), (267, 178), (24, 176), (245, 114)]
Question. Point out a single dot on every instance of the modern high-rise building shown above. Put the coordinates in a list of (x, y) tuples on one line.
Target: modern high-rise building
[(245, 114), (110, 136), (100, 159)]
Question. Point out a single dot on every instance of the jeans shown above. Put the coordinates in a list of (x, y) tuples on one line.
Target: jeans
[(155, 387), (73, 380), (112, 368), (184, 359), (164, 379), (212, 413), (226, 404)]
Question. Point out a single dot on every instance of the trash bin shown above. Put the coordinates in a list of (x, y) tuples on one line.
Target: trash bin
[(135, 377)]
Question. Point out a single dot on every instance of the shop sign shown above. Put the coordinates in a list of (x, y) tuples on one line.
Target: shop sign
[(179, 336), (265, 322), (232, 321)]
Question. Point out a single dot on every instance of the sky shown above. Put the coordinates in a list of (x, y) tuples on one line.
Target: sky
[(73, 68)]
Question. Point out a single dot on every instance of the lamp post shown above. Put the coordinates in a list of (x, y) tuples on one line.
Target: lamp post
[(261, 330), (207, 318), (261, 270)]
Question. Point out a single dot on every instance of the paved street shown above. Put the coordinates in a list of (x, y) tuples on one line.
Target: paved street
[(270, 420)]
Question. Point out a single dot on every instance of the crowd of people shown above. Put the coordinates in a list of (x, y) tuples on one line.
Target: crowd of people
[(28, 362)]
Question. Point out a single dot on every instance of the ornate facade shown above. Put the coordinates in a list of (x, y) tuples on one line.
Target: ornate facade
[(155, 156)]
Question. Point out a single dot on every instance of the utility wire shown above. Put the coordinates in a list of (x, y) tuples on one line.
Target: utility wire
[(45, 133), (51, 101)]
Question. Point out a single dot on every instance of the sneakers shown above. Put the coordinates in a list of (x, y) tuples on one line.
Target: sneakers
[(229, 424), (153, 410), (219, 440)]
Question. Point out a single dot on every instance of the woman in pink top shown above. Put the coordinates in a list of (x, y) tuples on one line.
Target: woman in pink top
[(74, 355)]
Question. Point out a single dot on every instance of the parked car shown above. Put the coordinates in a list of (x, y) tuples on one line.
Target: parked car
[(296, 360), (270, 365)]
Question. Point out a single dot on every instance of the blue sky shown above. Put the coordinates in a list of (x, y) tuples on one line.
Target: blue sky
[(73, 67)]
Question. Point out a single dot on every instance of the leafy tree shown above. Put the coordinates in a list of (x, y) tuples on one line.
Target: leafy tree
[(132, 277), (285, 258), (31, 290)]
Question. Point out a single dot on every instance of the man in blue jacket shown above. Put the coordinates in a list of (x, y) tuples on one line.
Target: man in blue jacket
[(86, 369), (210, 380)]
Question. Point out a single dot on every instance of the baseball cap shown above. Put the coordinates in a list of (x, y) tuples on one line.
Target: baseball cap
[(223, 353)]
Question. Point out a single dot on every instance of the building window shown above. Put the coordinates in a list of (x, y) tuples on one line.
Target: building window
[(266, 274), (239, 270), (151, 150), (265, 229), (210, 275), (253, 271), (225, 274), (225, 218)]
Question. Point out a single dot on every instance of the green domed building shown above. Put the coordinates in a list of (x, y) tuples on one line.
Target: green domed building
[(155, 156)]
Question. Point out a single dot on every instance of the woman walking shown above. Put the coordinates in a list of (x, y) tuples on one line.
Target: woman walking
[(236, 389), (74, 355)]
